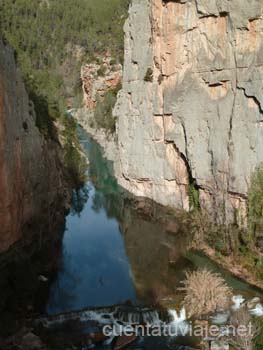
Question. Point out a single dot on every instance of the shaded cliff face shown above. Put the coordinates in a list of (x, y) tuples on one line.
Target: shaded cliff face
[(31, 178), (157, 261), (191, 105)]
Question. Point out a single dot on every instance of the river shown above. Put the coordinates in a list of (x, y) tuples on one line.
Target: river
[(94, 269), (119, 260), (120, 250)]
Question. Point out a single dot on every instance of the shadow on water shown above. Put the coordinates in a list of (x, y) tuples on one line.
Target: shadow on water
[(94, 268), (117, 249)]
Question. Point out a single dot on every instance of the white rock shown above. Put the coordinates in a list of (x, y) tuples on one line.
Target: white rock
[(42, 278), (203, 108), (219, 345)]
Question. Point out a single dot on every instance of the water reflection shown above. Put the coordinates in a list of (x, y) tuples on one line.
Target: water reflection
[(94, 268), (79, 199), (155, 245), (118, 248)]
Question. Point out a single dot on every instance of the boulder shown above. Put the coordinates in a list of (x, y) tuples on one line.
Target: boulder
[(219, 345), (251, 304), (31, 342)]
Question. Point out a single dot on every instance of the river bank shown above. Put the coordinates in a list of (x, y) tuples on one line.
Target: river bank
[(234, 264), (112, 238)]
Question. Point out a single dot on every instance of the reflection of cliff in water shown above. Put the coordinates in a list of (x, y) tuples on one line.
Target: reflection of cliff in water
[(155, 243), (154, 238), (108, 195), (25, 273)]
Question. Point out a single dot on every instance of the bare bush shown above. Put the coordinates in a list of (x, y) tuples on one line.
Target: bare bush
[(244, 340), (205, 292)]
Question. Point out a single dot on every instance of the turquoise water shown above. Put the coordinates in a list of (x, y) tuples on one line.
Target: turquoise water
[(115, 251), (94, 268), (118, 249)]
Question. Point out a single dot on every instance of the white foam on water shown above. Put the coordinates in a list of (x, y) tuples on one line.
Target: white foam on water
[(178, 318), (220, 318), (105, 316), (95, 316), (238, 301), (178, 325), (257, 311)]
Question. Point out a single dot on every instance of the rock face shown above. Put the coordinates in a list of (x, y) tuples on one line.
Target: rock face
[(97, 79), (31, 175), (191, 107)]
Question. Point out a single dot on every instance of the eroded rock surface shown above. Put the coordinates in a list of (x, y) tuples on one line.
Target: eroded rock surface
[(97, 79), (32, 188), (191, 107)]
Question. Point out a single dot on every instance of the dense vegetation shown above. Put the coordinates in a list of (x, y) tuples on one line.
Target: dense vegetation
[(51, 36), (255, 209), (103, 114), (51, 39), (236, 244)]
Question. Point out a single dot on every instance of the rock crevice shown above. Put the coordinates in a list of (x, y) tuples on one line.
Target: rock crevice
[(200, 115)]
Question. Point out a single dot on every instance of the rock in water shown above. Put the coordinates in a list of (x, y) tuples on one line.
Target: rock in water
[(251, 304), (219, 345), (31, 342), (42, 278), (123, 341)]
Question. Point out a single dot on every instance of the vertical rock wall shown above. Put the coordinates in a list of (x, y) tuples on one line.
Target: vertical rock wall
[(190, 111), (32, 189)]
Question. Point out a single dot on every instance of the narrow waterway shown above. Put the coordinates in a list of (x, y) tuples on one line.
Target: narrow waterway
[(120, 250), (94, 268)]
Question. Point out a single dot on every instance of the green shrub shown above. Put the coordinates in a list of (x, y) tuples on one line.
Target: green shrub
[(113, 61), (148, 75), (160, 78), (75, 162), (193, 197), (103, 114), (258, 323), (101, 71), (76, 165), (255, 204)]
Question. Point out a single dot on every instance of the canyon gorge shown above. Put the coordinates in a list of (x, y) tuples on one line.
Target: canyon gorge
[(125, 170)]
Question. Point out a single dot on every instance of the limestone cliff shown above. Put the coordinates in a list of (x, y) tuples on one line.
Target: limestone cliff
[(98, 79), (191, 107), (31, 177)]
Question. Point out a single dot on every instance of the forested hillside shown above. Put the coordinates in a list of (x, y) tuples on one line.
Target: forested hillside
[(52, 38)]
